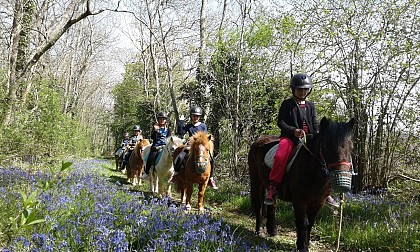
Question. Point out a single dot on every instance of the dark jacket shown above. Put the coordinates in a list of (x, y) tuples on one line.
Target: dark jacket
[(190, 128), (291, 117), (159, 137)]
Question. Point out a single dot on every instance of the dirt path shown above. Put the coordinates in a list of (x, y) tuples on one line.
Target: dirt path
[(285, 240)]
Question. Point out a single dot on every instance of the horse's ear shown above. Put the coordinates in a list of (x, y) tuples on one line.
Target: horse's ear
[(324, 123), (209, 137), (172, 139), (351, 123)]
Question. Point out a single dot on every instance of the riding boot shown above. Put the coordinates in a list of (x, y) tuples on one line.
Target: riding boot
[(174, 178), (330, 201), (212, 183), (272, 195), (146, 173)]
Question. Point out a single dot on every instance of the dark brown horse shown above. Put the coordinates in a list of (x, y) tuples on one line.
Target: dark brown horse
[(197, 169), (136, 163), (307, 184)]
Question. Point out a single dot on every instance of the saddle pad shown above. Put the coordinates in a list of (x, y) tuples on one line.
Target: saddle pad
[(269, 157), (119, 152), (158, 156)]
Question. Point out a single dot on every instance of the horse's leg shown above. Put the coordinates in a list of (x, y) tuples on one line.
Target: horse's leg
[(189, 193), (201, 190), (156, 181), (117, 160), (257, 195), (271, 220), (302, 226), (312, 212)]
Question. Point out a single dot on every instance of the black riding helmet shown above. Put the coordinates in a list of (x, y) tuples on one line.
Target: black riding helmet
[(196, 111), (301, 80), (161, 115), (136, 127)]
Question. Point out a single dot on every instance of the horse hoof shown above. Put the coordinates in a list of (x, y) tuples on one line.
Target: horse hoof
[(188, 207), (201, 209)]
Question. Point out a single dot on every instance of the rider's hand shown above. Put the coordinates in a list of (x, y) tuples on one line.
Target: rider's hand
[(298, 133), (155, 127), (182, 117)]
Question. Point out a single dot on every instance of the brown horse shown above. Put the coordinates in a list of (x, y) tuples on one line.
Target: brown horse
[(197, 168), (307, 184), (136, 163)]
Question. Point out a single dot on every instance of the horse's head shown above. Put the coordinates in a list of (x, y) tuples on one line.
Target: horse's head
[(201, 150), (335, 145), (172, 143), (141, 145)]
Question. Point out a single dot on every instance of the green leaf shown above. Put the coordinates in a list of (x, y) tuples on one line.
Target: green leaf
[(65, 165), (35, 222)]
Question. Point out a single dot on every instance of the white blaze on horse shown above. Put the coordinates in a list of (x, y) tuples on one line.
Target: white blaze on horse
[(163, 170)]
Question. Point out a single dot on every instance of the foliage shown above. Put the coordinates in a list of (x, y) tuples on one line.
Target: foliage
[(45, 133)]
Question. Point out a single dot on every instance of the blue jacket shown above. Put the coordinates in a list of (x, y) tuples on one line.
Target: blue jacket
[(159, 137), (190, 128)]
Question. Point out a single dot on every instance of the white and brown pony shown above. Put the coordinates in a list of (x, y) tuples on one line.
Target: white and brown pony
[(163, 170)]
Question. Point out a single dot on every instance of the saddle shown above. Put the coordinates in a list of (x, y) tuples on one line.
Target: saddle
[(180, 160), (159, 151)]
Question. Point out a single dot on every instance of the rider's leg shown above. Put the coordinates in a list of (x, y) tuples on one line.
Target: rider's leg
[(177, 166), (149, 162), (281, 157), (212, 183)]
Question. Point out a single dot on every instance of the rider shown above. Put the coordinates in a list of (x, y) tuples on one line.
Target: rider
[(191, 128), (131, 143), (296, 117), (159, 134), (123, 146)]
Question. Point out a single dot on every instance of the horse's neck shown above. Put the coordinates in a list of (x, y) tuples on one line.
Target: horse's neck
[(166, 157)]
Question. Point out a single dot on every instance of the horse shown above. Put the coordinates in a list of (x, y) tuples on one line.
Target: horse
[(161, 172), (307, 184), (136, 163), (118, 158), (197, 169)]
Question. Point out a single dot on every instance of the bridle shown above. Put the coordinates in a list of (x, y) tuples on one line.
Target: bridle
[(326, 167), (201, 156)]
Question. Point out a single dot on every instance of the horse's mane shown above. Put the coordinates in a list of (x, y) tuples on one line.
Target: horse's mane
[(175, 139), (141, 143), (333, 133), (336, 132), (201, 138)]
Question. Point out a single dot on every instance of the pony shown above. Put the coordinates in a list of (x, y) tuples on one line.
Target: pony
[(136, 162), (161, 172), (197, 169), (307, 184), (118, 157)]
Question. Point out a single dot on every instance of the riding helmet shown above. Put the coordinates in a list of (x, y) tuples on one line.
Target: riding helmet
[(161, 115), (196, 111), (136, 127), (301, 80)]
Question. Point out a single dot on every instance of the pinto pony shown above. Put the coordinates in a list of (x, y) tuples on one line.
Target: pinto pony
[(307, 184), (136, 163), (161, 172), (197, 169)]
